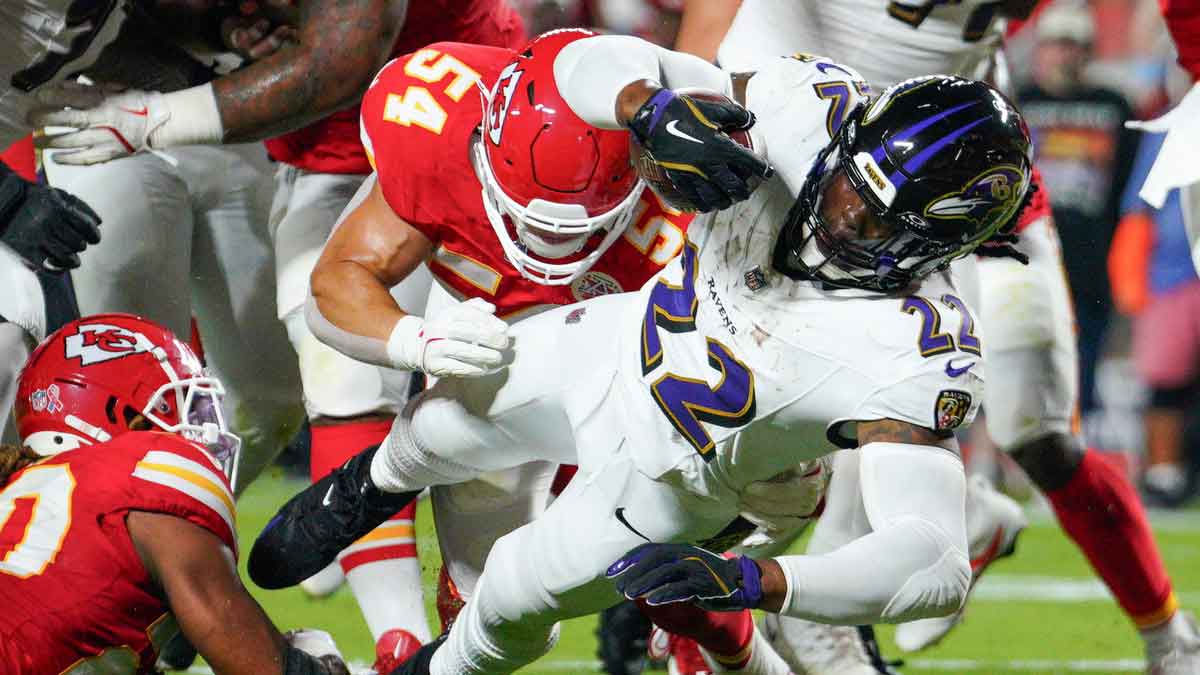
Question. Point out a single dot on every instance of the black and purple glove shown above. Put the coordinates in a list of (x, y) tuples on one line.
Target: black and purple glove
[(666, 573), (686, 154)]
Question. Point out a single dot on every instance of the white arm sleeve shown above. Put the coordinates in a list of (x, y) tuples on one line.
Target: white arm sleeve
[(912, 565), (590, 73)]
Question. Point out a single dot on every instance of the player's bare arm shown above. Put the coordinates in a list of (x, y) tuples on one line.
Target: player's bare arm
[(704, 24), (198, 578), (372, 250), (352, 310), (340, 45)]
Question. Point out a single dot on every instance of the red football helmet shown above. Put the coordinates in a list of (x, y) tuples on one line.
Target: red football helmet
[(105, 374), (557, 190)]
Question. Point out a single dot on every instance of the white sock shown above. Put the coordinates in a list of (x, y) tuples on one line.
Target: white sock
[(385, 576)]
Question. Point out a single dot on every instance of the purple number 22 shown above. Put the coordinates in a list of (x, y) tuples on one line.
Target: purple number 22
[(932, 340), (688, 401)]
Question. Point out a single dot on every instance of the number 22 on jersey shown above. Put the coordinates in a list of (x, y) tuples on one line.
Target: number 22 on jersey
[(688, 401), (35, 514), (417, 105)]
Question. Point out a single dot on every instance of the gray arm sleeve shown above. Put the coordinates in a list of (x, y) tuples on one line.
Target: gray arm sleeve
[(358, 347), (590, 73), (914, 562)]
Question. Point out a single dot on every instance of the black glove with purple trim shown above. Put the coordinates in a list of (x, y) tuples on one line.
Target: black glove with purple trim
[(666, 573)]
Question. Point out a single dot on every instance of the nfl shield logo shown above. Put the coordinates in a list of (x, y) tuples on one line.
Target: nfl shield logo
[(951, 409)]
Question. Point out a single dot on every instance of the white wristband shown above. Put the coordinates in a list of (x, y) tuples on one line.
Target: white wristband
[(194, 119), (404, 345)]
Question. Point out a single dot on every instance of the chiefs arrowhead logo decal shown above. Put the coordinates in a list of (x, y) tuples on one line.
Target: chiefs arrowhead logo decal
[(99, 342)]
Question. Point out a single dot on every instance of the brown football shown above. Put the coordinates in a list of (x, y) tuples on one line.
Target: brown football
[(654, 175)]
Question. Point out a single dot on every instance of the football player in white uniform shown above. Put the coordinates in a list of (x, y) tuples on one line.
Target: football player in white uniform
[(1026, 309), (816, 314)]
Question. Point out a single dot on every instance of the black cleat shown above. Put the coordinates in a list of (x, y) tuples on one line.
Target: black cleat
[(623, 634), (418, 663), (309, 531)]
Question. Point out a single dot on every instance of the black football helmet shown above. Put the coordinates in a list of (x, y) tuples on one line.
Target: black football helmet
[(941, 163)]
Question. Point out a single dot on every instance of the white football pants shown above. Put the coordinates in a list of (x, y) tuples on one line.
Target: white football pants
[(552, 568), (187, 240), (305, 210)]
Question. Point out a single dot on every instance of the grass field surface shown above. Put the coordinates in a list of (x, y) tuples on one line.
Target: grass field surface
[(1041, 611)]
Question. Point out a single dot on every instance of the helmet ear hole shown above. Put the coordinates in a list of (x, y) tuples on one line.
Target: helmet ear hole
[(135, 421)]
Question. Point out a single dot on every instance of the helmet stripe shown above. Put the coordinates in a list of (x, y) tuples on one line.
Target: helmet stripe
[(905, 134), (925, 155)]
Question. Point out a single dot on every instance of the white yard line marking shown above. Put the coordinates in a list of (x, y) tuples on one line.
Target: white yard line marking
[(1020, 587)]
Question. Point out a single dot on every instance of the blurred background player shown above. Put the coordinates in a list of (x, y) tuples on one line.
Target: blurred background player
[(189, 236), (1085, 154), (1154, 282), (1025, 311), (120, 492), (308, 88)]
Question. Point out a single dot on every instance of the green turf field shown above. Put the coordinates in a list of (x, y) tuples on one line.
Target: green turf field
[(1038, 612)]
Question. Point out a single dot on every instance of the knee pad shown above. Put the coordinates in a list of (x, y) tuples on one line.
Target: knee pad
[(336, 385), (940, 588)]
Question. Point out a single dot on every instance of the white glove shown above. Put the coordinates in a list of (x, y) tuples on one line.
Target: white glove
[(107, 125), (785, 501), (320, 645), (465, 340), (1176, 164)]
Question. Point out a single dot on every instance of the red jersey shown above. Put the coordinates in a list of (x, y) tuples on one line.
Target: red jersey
[(331, 145), (75, 594), (1183, 20), (419, 119), (1039, 206)]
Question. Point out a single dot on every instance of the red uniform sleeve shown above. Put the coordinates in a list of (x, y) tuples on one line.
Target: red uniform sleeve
[(1183, 20), (417, 121), (178, 477)]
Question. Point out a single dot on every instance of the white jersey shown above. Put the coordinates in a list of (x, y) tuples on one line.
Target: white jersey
[(750, 371), (44, 41), (885, 41)]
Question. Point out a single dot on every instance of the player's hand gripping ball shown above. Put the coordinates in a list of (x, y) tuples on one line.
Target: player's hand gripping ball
[(694, 149)]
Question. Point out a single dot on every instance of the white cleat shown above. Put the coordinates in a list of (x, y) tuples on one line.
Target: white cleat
[(325, 582), (993, 522), (818, 649), (1177, 650)]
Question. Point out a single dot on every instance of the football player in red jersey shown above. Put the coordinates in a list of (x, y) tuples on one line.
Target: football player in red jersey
[(303, 100), (117, 518)]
